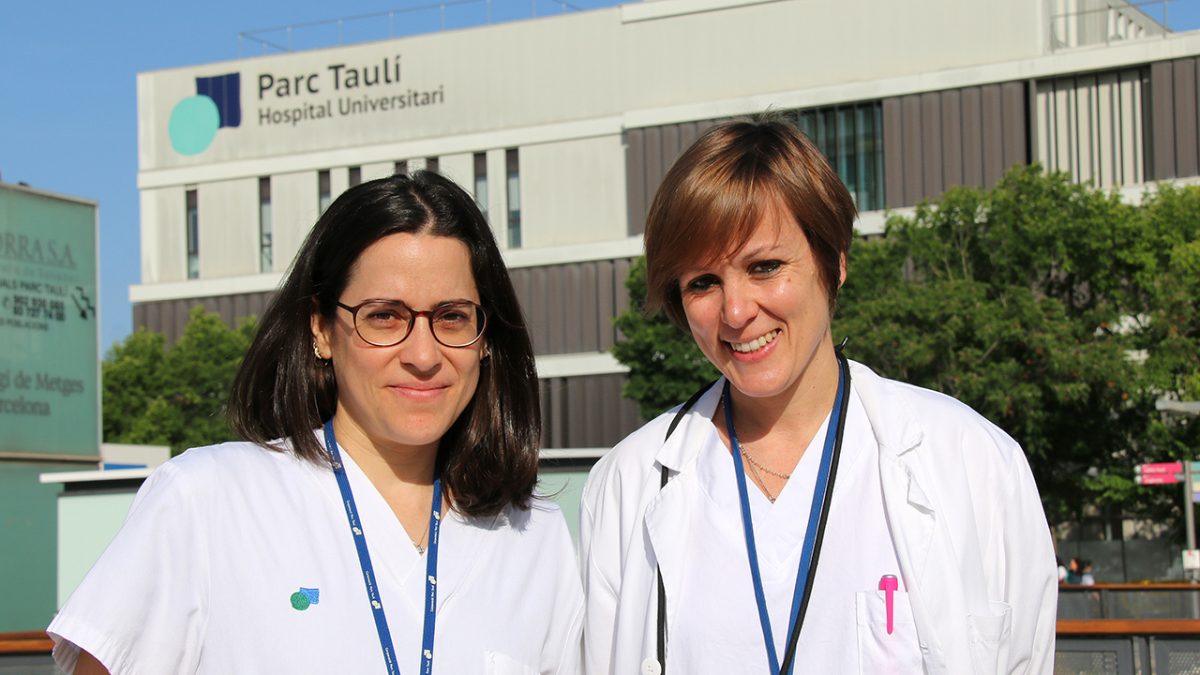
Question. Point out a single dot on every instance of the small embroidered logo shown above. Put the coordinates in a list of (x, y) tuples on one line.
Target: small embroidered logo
[(428, 654), (433, 580), (303, 598), (357, 532), (376, 605)]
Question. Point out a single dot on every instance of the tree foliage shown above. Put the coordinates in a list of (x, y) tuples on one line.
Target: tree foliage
[(173, 395), (665, 365), (1056, 310)]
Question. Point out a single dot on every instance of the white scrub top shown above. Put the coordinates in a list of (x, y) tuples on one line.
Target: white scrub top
[(845, 630), (202, 576)]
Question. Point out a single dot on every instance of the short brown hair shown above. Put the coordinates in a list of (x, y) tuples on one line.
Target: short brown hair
[(717, 192)]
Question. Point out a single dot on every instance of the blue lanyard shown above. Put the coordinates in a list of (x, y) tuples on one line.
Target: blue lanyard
[(364, 560), (815, 533)]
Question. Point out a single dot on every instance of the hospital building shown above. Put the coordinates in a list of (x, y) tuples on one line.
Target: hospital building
[(562, 127)]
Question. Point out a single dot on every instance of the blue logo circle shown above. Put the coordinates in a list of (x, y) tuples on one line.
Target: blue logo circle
[(193, 124)]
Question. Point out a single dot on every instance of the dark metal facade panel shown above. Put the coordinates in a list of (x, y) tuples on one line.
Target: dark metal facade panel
[(937, 140), (972, 136), (620, 292), (536, 306), (913, 156), (688, 133), (993, 134), (649, 154), (654, 168), (1184, 81), (931, 140), (556, 311), (590, 319), (671, 149), (893, 153), (586, 412), (1162, 107), (570, 307), (952, 157), (575, 307), (1014, 121), (606, 303), (637, 202)]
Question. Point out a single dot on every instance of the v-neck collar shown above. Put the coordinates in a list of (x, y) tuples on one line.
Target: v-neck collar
[(464, 543)]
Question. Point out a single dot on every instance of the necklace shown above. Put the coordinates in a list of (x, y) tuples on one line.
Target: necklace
[(814, 534), (420, 543), (758, 478), (368, 570), (760, 467)]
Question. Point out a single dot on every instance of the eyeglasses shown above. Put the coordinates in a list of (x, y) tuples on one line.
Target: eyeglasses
[(385, 323)]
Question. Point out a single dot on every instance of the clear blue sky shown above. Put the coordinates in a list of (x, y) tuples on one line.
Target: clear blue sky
[(69, 101)]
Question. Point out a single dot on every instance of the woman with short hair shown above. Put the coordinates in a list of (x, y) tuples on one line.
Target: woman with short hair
[(380, 515), (802, 511)]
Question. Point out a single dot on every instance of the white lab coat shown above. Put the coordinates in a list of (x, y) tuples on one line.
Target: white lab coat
[(202, 575), (967, 525)]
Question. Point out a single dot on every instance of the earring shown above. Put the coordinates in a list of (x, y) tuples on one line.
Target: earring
[(487, 355), (317, 353)]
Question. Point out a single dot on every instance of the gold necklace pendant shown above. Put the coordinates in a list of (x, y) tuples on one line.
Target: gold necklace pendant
[(777, 474)]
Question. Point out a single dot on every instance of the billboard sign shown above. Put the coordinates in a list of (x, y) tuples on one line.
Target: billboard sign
[(49, 336)]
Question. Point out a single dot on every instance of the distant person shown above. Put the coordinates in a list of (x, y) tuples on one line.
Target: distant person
[(1074, 572), (1085, 577), (802, 510), (380, 516), (1062, 570)]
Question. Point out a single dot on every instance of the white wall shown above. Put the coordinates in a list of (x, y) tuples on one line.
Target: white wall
[(293, 212), (228, 217), (573, 192), (164, 247)]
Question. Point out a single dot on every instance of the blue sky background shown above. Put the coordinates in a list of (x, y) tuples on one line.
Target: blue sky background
[(68, 98)]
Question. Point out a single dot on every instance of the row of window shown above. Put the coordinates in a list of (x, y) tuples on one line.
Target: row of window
[(512, 183), (266, 261)]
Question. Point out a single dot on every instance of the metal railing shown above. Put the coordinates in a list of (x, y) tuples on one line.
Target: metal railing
[(1085, 23), (1129, 601), (419, 19)]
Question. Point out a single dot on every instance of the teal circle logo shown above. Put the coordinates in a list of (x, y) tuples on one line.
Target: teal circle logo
[(300, 601), (193, 124)]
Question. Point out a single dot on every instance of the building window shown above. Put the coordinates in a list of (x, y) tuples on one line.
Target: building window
[(431, 164), (193, 235), (401, 168), (513, 171), (851, 138), (324, 194), (355, 175), (481, 191), (265, 262)]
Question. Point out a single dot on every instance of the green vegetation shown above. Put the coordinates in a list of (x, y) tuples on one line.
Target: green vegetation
[(1055, 310), (160, 395)]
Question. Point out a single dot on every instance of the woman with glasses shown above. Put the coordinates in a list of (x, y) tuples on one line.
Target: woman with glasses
[(380, 516)]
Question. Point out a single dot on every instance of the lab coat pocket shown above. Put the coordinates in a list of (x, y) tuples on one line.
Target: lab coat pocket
[(989, 638), (878, 652), (501, 664)]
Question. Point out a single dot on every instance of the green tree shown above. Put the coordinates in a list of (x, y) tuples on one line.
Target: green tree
[(174, 396), (665, 365), (1004, 300), (1054, 309)]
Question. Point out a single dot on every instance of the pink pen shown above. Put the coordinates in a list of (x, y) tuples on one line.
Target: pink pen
[(889, 585)]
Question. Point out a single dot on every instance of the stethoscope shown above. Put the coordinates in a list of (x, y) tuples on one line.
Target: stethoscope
[(814, 534)]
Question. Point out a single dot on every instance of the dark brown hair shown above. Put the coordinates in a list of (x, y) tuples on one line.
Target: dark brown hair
[(717, 192), (488, 457)]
